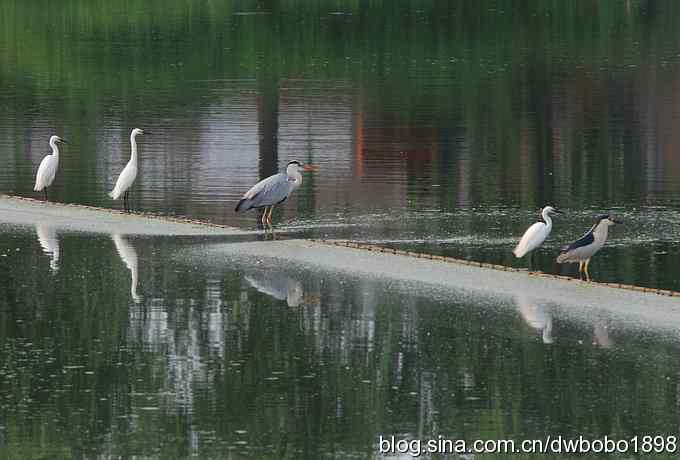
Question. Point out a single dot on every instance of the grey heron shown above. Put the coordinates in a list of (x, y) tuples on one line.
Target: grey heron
[(536, 234), (129, 174), (48, 167), (273, 190), (585, 247)]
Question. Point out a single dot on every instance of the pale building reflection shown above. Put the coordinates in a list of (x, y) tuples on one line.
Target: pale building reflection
[(128, 255), (537, 315), (49, 241)]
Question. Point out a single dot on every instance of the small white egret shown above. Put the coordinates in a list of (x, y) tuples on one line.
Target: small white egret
[(585, 247), (273, 190), (48, 167), (129, 174), (536, 234)]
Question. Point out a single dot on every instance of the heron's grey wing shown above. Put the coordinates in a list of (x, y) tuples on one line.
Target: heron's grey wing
[(267, 192)]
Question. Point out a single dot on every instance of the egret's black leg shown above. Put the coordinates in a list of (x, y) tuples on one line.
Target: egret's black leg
[(45, 192), (126, 204)]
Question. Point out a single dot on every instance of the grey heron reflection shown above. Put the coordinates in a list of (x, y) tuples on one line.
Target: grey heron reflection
[(277, 285)]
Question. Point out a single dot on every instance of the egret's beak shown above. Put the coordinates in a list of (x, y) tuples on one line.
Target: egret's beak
[(558, 211), (63, 141), (146, 133), (310, 168)]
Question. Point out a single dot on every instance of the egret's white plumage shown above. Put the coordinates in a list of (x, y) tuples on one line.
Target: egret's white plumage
[(273, 190), (536, 234), (129, 174), (48, 167)]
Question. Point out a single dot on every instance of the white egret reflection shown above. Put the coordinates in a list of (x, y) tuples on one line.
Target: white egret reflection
[(129, 256), (49, 241), (537, 315)]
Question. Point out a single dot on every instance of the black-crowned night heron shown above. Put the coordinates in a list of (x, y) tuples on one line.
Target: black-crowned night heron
[(536, 234), (585, 247), (273, 190)]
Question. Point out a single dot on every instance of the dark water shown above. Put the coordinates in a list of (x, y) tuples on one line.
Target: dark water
[(116, 346), (437, 126)]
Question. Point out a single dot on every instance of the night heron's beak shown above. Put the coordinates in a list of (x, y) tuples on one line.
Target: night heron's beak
[(310, 168), (617, 221)]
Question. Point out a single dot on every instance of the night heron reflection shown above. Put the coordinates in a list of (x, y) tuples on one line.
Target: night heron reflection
[(587, 246), (273, 190)]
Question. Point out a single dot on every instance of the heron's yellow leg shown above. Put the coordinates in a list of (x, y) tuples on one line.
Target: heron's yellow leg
[(269, 217), (586, 270), (264, 216)]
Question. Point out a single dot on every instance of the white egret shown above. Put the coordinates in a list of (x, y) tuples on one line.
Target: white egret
[(48, 167), (273, 190), (585, 247), (129, 174), (536, 234)]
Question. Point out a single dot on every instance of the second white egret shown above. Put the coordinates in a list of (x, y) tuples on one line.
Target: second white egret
[(536, 234), (129, 174)]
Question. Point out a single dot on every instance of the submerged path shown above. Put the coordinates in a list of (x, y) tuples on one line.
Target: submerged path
[(81, 218), (426, 275), (348, 257)]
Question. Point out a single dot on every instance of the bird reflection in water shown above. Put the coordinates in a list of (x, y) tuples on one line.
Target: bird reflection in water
[(537, 315), (278, 285), (47, 237), (129, 256), (601, 335)]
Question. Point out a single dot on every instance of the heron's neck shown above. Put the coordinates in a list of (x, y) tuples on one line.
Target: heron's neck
[(133, 143), (55, 149), (547, 219), (601, 231)]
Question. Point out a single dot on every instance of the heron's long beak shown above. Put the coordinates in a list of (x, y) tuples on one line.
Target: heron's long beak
[(310, 168)]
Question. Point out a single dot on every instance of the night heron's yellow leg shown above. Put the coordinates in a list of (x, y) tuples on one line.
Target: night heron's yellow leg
[(580, 270), (269, 217), (264, 216), (586, 270)]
